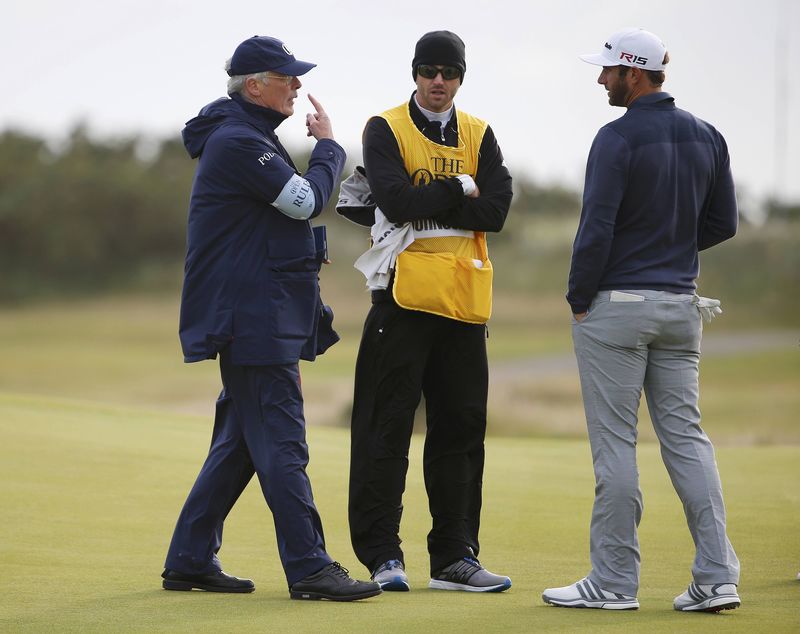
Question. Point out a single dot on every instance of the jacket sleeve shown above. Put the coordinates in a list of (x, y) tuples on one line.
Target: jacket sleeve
[(488, 211), (325, 167), (397, 197), (721, 215), (253, 165), (604, 188)]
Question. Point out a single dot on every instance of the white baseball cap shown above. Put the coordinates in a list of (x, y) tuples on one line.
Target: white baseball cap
[(631, 47)]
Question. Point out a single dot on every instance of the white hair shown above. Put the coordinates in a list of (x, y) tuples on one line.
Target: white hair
[(236, 82)]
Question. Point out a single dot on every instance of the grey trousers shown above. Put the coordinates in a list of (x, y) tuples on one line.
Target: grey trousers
[(623, 347)]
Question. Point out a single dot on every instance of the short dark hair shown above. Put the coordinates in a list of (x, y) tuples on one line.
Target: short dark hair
[(655, 77)]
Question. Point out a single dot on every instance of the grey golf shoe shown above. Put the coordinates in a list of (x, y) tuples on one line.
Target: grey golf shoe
[(468, 575), (391, 576)]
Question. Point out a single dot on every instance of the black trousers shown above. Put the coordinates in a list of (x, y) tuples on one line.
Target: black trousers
[(402, 355)]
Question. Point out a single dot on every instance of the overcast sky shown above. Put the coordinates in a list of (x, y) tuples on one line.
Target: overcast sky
[(147, 66)]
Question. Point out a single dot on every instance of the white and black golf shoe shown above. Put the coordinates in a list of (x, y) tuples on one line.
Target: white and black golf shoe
[(587, 594)]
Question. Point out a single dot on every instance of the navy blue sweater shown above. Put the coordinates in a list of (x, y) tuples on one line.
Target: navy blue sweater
[(658, 190)]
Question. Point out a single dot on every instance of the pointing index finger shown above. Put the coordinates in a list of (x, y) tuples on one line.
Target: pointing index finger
[(317, 105)]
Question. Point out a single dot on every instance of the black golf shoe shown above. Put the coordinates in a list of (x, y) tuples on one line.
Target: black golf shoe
[(212, 582), (333, 582)]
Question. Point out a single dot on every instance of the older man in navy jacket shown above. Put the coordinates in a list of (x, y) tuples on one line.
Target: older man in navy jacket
[(251, 296)]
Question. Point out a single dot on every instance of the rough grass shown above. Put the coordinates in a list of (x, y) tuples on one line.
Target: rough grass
[(90, 494), (124, 350)]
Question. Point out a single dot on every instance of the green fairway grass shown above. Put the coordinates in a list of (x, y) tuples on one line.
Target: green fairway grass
[(90, 494)]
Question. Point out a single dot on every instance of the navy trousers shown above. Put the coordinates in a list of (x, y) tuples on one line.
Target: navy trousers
[(259, 428)]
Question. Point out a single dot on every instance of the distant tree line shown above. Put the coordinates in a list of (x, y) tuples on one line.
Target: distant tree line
[(780, 210), (87, 214), (92, 214)]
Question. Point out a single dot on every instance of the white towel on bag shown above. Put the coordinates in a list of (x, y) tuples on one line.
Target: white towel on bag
[(388, 240)]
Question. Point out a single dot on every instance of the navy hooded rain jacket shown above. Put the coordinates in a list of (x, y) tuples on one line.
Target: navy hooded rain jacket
[(251, 275)]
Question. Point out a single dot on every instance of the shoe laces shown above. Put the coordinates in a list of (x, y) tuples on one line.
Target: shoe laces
[(473, 561), (391, 564), (338, 569)]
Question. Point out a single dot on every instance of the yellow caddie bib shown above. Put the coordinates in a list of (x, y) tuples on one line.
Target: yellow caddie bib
[(445, 271)]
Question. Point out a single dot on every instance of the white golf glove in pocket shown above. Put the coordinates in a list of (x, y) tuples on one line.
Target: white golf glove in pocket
[(708, 307)]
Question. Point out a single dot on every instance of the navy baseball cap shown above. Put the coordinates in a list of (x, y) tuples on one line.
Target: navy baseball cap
[(260, 53)]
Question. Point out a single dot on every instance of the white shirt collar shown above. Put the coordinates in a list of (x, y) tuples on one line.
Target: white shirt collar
[(441, 117)]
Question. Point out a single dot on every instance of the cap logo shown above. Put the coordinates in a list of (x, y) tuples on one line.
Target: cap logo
[(633, 59), (286, 50), (607, 45)]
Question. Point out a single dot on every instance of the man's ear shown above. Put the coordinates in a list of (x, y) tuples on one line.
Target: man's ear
[(252, 86)]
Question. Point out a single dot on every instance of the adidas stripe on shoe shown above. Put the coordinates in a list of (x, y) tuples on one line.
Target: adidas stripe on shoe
[(468, 575), (587, 594), (708, 598)]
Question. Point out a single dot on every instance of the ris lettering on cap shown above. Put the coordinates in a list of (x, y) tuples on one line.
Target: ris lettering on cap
[(633, 59)]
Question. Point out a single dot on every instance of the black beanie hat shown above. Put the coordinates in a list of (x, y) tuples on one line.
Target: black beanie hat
[(439, 47)]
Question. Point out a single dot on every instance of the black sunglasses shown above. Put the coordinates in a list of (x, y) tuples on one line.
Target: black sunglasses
[(430, 72)]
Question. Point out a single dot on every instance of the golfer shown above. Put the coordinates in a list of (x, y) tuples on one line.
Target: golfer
[(658, 190)]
